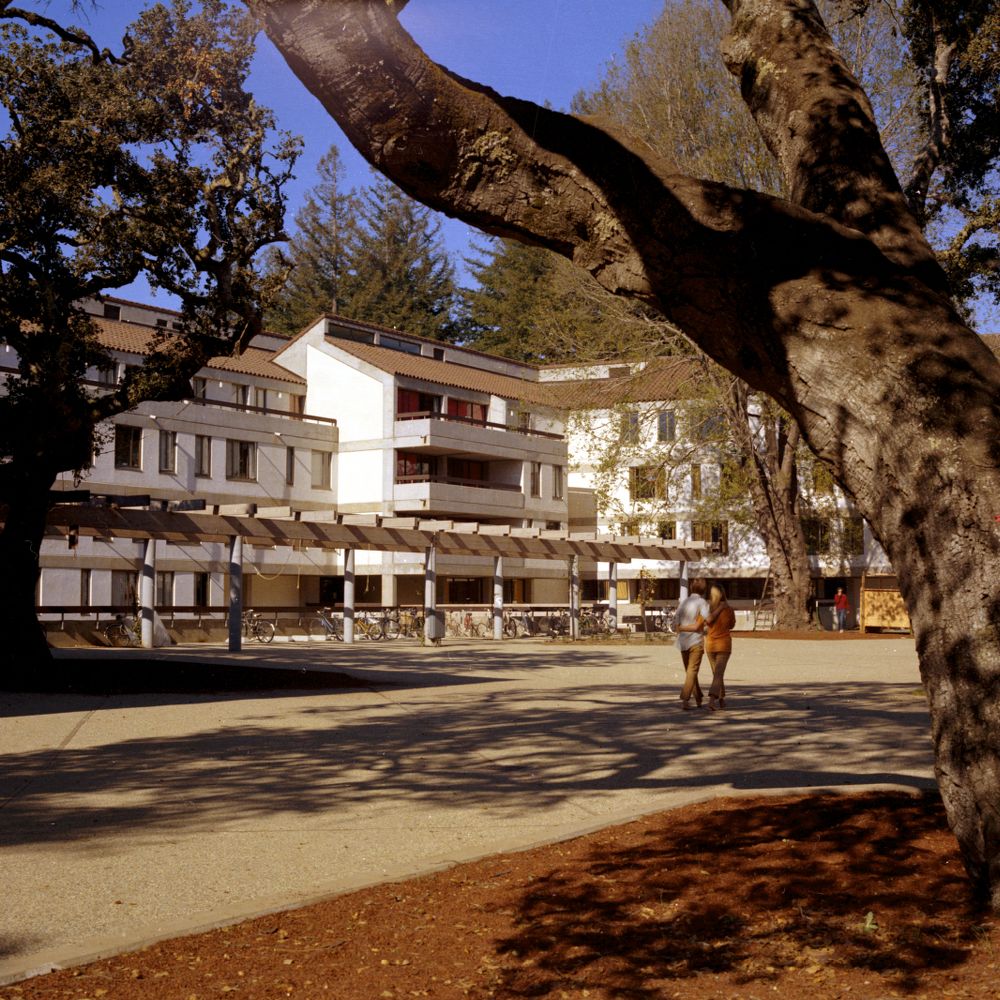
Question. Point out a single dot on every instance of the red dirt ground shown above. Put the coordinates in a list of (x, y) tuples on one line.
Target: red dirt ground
[(800, 898)]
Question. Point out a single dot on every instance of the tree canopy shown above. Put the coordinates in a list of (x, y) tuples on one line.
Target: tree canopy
[(156, 161)]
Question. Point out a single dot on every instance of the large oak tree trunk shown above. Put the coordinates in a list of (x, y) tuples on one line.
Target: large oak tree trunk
[(831, 302), (25, 644)]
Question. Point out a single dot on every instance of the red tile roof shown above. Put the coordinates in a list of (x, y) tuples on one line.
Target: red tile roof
[(134, 338)]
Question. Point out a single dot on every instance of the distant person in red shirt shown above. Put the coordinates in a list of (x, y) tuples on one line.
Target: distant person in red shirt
[(841, 605)]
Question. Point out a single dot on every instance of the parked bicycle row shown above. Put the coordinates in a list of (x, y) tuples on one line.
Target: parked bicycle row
[(408, 623)]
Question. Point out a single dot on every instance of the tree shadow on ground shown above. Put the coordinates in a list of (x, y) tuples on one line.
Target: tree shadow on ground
[(751, 893), (507, 753)]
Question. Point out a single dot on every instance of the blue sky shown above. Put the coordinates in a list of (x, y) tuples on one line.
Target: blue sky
[(541, 50)]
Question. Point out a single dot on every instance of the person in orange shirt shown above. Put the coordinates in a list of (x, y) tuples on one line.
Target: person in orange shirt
[(718, 643)]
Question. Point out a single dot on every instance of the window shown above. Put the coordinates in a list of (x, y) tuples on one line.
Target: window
[(629, 428), (710, 428), (321, 463), (536, 479), (201, 589), (112, 312), (667, 530), (716, 533), (260, 398), (164, 590), (463, 409), (410, 465), (666, 426), (128, 446), (290, 466), (438, 353), (468, 469), (557, 482), (695, 482), (854, 536), (413, 401), (630, 526), (124, 588), (647, 482), (817, 532), (85, 583), (298, 405), (241, 460), (199, 387), (107, 374), (395, 344), (241, 395), (168, 451), (202, 456)]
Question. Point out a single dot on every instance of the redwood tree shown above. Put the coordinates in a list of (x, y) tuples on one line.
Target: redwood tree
[(830, 300)]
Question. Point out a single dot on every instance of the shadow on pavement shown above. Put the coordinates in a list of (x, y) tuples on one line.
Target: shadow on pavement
[(509, 752)]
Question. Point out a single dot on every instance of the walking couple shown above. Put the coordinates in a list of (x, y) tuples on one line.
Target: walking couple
[(704, 627)]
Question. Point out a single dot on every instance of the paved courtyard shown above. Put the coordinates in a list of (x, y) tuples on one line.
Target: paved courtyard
[(133, 817)]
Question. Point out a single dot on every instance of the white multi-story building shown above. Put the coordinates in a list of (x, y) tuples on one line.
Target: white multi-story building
[(346, 417), (642, 439), (354, 419)]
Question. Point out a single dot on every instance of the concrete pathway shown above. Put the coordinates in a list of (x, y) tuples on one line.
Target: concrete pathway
[(131, 818)]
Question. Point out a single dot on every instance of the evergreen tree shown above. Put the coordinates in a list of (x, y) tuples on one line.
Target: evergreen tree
[(399, 274), (531, 305), (315, 261)]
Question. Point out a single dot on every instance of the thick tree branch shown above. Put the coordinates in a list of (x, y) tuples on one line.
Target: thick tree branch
[(818, 122), (709, 257)]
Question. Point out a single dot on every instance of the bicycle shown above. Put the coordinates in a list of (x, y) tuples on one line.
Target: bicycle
[(515, 625), (391, 625), (460, 625), (368, 627), (123, 631), (411, 623), (595, 622), (255, 627), (325, 626)]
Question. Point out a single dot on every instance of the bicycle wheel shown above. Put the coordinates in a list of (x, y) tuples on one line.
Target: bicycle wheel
[(480, 631), (373, 630), (316, 629), (390, 627), (510, 628), (117, 634), (263, 631)]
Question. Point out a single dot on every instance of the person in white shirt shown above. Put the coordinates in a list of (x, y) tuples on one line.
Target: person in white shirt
[(688, 624)]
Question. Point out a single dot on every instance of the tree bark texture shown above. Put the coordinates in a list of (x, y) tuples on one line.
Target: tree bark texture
[(831, 302), (20, 545)]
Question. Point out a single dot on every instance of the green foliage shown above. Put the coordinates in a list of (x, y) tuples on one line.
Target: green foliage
[(315, 261), (533, 305), (399, 274), (157, 163), (376, 256)]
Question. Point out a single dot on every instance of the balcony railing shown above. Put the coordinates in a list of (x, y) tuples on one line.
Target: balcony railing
[(481, 484), (473, 421)]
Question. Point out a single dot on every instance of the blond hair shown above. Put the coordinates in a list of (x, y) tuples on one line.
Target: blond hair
[(716, 595)]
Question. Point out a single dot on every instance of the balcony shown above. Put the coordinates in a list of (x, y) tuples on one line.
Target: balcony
[(442, 432), (438, 494)]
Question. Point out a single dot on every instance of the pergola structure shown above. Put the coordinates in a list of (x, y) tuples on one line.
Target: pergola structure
[(238, 525)]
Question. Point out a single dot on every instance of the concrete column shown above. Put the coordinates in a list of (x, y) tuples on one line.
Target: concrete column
[(236, 594), (147, 593), (389, 587), (613, 595), (348, 595), (685, 582), (574, 597), (431, 631), (498, 598)]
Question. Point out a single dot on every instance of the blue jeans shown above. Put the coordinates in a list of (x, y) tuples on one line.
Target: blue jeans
[(841, 619)]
